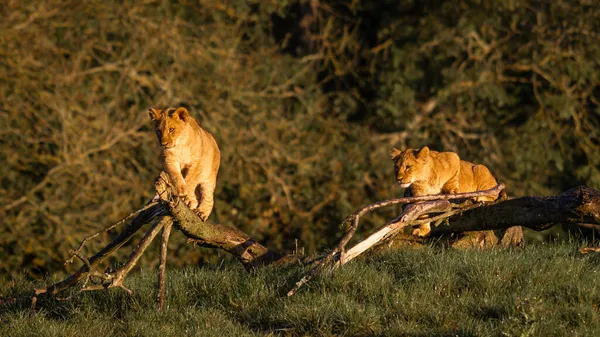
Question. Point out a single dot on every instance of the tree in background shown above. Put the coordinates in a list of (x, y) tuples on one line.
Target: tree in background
[(305, 99)]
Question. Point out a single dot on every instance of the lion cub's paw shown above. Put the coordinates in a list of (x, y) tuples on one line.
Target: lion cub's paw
[(421, 232), (184, 198), (192, 203), (200, 214)]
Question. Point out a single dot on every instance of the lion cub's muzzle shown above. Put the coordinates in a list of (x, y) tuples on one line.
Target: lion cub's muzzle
[(403, 184), (167, 144)]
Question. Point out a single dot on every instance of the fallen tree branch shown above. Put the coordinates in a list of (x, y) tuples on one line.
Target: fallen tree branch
[(249, 252), (84, 271), (355, 217), (76, 252), (579, 206), (409, 217), (162, 267), (437, 203), (121, 273), (228, 238)]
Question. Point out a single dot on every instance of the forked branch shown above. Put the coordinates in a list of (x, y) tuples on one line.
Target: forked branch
[(93, 262), (426, 205)]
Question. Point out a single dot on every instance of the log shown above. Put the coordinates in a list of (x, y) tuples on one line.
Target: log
[(164, 213), (575, 207), (579, 206), (232, 240)]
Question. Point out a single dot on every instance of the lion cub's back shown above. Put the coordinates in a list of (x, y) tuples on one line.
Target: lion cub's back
[(210, 155), (445, 163)]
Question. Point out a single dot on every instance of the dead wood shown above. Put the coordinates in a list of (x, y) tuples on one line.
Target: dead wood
[(93, 262), (577, 206), (232, 240), (574, 207), (77, 252), (427, 204), (164, 214), (117, 278), (162, 267)]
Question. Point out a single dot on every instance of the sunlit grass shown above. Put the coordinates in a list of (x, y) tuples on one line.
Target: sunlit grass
[(540, 290)]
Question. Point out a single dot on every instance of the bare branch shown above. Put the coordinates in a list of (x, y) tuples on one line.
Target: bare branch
[(138, 251), (162, 267), (76, 252), (140, 220)]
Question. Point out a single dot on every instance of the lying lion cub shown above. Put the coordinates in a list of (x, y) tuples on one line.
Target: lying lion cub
[(431, 172), (190, 157)]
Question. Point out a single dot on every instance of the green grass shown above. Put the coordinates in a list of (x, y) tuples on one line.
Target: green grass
[(541, 290)]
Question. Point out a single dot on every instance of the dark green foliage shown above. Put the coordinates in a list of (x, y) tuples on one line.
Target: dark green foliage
[(304, 98), (515, 85), (542, 290)]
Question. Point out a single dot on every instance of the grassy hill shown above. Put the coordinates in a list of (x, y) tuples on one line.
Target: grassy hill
[(541, 290)]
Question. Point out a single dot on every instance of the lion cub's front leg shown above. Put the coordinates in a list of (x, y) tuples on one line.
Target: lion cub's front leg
[(179, 184), (419, 190)]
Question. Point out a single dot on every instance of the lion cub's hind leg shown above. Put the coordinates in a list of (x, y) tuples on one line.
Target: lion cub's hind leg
[(192, 179), (205, 194), (485, 180), (452, 186)]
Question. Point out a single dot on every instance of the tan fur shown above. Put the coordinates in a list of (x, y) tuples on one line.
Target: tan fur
[(431, 172), (190, 157)]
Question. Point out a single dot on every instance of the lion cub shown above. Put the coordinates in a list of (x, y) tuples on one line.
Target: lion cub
[(190, 157), (431, 172)]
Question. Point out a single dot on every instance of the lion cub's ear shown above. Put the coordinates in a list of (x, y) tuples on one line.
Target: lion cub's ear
[(423, 153), (394, 152), (182, 113), (154, 114)]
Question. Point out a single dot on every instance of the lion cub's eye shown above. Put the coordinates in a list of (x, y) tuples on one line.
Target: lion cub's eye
[(408, 167), (171, 130)]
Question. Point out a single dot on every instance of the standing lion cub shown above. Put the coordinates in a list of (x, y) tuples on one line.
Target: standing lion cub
[(431, 172), (190, 157)]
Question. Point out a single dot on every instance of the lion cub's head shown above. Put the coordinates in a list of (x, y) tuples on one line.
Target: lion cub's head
[(169, 124), (410, 165)]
